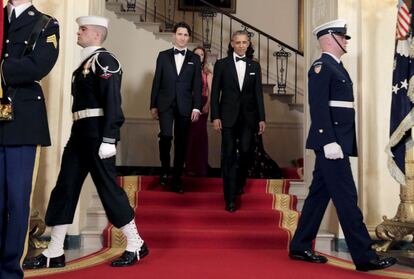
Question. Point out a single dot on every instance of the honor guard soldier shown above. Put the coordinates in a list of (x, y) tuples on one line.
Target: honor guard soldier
[(31, 48), (97, 118), (332, 137)]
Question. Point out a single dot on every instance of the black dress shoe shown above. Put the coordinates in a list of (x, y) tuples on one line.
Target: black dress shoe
[(163, 180), (376, 264), (307, 256), (230, 207), (41, 261), (129, 258), (177, 186)]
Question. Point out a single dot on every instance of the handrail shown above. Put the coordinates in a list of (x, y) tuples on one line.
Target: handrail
[(252, 27)]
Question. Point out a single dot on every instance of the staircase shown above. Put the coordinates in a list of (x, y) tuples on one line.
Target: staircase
[(91, 236), (143, 18)]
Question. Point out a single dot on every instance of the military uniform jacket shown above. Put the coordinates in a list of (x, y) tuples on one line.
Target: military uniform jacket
[(98, 85), (30, 126), (228, 101), (170, 88), (329, 81)]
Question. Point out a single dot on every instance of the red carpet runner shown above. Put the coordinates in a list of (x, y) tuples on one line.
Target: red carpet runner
[(191, 236)]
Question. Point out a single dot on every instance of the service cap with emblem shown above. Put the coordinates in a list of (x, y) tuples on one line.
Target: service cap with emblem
[(337, 26), (93, 20)]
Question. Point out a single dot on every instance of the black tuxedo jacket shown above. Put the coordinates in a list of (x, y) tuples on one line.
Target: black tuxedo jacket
[(228, 101), (30, 126), (169, 88)]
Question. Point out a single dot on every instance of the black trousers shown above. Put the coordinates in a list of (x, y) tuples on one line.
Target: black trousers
[(236, 151), (80, 157), (169, 119), (332, 179)]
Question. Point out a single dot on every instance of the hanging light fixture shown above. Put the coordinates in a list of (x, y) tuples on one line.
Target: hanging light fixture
[(282, 59), (207, 28), (131, 5), (169, 11)]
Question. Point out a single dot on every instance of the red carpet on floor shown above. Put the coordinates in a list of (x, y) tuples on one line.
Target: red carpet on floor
[(192, 236)]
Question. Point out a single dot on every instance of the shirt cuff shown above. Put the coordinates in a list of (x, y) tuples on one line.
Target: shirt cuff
[(108, 140), (196, 110)]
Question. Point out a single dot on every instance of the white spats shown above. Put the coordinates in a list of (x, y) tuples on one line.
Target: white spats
[(55, 247), (134, 241)]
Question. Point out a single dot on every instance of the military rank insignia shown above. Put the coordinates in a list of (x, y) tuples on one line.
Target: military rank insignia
[(317, 67), (52, 39)]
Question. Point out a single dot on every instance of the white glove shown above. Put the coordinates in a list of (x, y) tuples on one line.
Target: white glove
[(107, 150), (333, 151)]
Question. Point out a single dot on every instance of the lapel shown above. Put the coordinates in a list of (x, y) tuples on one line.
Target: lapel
[(29, 16), (172, 60), (5, 21), (232, 66)]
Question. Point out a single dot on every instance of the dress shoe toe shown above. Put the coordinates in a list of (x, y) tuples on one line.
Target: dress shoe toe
[(308, 256), (41, 261), (129, 258), (230, 207), (376, 264), (164, 180)]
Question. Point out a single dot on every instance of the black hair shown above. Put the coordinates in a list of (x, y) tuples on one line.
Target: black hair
[(182, 24)]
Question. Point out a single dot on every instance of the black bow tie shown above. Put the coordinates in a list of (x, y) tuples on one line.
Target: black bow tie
[(240, 58), (176, 51)]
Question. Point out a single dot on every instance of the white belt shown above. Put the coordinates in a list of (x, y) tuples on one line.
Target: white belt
[(341, 104), (87, 113)]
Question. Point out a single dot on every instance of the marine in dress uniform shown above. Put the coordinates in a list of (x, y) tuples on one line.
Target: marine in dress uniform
[(25, 62), (237, 111), (332, 136), (97, 118), (176, 100)]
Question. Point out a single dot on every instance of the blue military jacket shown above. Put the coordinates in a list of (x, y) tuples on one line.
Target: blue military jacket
[(30, 126), (329, 81)]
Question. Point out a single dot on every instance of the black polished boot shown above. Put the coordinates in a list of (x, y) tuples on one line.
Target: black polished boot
[(307, 256), (41, 261), (130, 258)]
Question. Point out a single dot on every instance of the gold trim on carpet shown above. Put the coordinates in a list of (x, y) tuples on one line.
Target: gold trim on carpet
[(131, 186), (283, 203), (89, 261)]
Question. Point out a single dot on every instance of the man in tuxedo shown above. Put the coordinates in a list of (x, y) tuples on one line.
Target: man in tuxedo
[(237, 111), (176, 101), (332, 136), (22, 67), (91, 148)]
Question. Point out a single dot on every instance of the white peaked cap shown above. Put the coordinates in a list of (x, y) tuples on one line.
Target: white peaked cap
[(337, 26), (93, 20)]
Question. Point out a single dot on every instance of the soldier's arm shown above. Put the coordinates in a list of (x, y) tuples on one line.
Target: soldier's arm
[(38, 63), (319, 97), (108, 70)]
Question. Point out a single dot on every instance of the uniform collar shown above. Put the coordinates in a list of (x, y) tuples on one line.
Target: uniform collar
[(18, 9), (87, 51), (333, 56)]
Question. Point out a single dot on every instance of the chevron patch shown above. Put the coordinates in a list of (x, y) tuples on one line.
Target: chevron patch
[(52, 39)]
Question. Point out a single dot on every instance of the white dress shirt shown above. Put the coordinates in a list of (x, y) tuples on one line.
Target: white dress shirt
[(179, 60), (18, 10), (240, 68)]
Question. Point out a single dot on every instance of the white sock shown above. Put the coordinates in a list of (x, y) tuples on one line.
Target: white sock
[(55, 247), (134, 241)]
